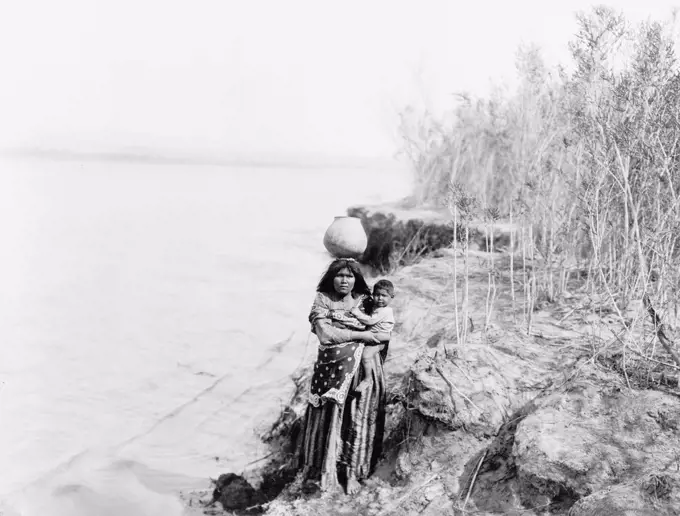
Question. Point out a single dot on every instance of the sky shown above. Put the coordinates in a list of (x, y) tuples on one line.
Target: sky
[(255, 77)]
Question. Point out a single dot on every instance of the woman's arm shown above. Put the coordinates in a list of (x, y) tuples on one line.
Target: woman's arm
[(329, 334), (324, 329), (320, 309), (379, 339), (383, 336)]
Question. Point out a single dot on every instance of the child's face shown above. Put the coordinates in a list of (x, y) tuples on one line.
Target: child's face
[(381, 298)]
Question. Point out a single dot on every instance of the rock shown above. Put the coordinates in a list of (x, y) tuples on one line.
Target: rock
[(433, 491), (234, 492), (403, 466), (435, 466), (633, 499), (478, 391), (590, 448), (596, 435)]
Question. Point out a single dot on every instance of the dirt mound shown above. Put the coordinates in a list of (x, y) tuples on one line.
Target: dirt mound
[(596, 435), (583, 448)]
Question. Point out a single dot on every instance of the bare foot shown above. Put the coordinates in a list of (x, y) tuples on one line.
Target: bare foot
[(353, 486), (363, 385)]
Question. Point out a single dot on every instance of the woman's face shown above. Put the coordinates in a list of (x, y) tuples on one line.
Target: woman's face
[(343, 281)]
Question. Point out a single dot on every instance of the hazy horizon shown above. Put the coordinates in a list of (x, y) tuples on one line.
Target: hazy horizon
[(135, 154), (259, 78)]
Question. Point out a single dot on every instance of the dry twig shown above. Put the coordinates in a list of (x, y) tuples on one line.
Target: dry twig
[(450, 384), (474, 477), (660, 329)]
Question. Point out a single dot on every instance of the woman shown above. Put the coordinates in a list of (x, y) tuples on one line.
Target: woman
[(343, 429)]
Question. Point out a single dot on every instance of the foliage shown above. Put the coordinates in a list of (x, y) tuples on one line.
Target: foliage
[(585, 161)]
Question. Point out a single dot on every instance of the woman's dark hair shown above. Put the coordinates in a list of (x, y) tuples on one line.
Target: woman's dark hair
[(360, 285)]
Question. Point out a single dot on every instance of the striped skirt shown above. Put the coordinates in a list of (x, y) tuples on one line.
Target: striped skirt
[(341, 441)]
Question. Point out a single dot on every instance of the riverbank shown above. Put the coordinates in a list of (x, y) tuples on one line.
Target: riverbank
[(530, 414)]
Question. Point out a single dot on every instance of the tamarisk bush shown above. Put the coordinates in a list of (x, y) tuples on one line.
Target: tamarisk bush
[(583, 160)]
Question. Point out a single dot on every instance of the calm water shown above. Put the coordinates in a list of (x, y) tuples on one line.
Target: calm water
[(149, 318)]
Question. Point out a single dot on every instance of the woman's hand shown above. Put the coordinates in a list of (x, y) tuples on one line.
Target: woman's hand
[(382, 336), (366, 336), (370, 338)]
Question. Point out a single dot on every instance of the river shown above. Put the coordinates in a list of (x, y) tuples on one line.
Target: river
[(151, 315)]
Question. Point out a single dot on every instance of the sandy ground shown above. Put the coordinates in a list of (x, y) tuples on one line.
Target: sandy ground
[(468, 397)]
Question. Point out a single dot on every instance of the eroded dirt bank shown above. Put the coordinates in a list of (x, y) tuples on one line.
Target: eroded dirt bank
[(508, 422)]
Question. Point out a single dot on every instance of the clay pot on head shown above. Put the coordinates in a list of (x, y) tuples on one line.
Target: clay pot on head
[(346, 238)]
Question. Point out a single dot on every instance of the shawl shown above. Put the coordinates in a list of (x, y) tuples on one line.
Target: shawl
[(337, 363)]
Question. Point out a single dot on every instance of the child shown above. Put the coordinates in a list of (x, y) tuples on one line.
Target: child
[(379, 319)]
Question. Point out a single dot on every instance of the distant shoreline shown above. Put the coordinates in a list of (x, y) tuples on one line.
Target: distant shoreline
[(155, 157)]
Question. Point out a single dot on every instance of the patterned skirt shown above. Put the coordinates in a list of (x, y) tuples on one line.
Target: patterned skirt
[(344, 440)]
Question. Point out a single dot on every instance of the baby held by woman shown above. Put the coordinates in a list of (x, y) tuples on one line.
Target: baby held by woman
[(378, 317)]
